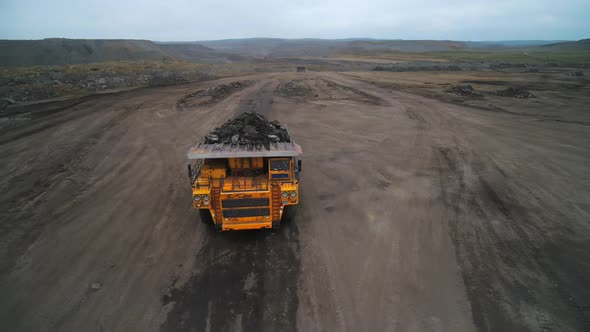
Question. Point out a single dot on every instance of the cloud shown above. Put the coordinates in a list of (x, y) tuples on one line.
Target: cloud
[(208, 19)]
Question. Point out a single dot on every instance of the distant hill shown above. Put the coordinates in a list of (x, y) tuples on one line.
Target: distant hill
[(510, 43), (580, 45), (58, 51), (274, 47), (191, 52)]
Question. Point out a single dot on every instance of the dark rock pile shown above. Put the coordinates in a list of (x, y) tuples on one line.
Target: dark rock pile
[(212, 94), (250, 129), (515, 93), (294, 89), (223, 90), (463, 90)]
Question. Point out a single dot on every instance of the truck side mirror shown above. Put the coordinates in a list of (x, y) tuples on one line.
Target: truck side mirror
[(299, 165), (190, 171)]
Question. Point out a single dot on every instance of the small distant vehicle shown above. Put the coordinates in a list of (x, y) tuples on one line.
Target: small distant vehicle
[(245, 188)]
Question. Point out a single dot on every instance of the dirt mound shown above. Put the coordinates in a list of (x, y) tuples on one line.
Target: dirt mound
[(294, 89), (250, 129), (224, 90), (212, 94), (401, 69), (515, 92), (464, 90)]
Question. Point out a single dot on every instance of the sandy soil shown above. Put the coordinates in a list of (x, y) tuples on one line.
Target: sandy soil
[(415, 215)]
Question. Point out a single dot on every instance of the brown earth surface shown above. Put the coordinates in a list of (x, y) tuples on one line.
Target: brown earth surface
[(416, 215)]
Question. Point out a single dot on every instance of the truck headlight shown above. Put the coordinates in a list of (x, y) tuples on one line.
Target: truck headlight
[(197, 198), (293, 193), (285, 194), (206, 197)]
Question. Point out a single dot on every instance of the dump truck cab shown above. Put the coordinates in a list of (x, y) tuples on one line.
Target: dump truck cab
[(245, 187)]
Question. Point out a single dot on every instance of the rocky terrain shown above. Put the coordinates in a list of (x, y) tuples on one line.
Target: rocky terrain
[(33, 85)]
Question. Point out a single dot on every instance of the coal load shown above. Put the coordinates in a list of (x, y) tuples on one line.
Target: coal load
[(514, 93), (249, 129)]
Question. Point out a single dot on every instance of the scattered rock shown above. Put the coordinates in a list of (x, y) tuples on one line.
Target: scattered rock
[(212, 138), (235, 139), (55, 82), (96, 286), (250, 129), (4, 102), (8, 100), (515, 92)]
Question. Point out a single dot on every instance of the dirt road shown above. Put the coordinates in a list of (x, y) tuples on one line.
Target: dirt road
[(416, 215)]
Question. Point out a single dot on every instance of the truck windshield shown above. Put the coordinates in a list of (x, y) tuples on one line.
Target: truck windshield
[(279, 165)]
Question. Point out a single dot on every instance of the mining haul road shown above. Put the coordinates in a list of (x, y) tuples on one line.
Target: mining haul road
[(415, 215)]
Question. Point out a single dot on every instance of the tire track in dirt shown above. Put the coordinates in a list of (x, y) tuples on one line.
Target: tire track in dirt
[(244, 280), (42, 177), (496, 268)]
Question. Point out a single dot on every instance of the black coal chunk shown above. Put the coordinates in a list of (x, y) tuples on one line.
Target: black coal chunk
[(249, 129)]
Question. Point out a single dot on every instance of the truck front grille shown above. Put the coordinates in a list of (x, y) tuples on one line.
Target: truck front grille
[(245, 202), (237, 213)]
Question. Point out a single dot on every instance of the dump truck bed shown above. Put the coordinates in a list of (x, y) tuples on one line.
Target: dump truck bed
[(212, 151)]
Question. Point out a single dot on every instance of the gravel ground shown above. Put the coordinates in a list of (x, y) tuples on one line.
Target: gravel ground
[(415, 215)]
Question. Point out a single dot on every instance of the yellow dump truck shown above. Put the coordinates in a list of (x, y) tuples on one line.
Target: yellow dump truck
[(244, 187)]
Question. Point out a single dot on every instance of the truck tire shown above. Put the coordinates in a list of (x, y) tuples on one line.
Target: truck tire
[(289, 213), (205, 216)]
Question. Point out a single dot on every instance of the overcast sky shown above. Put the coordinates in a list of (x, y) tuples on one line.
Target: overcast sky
[(167, 20)]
